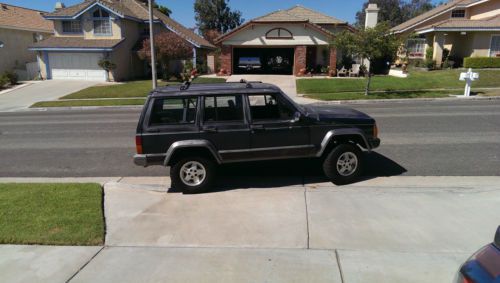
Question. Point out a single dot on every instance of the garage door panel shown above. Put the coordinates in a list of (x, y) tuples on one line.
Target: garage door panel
[(76, 66)]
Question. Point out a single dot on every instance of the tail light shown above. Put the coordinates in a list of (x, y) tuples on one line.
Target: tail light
[(375, 131), (138, 144)]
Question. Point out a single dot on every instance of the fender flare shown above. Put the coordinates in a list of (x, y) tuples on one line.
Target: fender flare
[(191, 144), (330, 135)]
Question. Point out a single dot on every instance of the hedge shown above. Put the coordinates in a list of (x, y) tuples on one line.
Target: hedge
[(482, 62)]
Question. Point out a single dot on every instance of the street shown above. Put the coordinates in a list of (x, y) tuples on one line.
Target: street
[(437, 138)]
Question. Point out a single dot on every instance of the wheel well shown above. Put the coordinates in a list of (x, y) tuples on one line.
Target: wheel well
[(190, 151), (345, 139)]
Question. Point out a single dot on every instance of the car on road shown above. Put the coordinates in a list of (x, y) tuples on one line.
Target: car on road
[(483, 266), (194, 128)]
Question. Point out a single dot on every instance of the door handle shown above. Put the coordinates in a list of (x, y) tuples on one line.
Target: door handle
[(210, 129), (257, 128)]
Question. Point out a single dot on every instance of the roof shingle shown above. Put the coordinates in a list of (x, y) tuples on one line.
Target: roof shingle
[(492, 22), (76, 42), (23, 18), (299, 13)]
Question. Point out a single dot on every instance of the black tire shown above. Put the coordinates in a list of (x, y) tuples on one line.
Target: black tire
[(205, 185), (342, 176)]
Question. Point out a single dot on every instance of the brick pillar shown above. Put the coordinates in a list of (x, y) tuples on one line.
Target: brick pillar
[(333, 60), (300, 59), (225, 59)]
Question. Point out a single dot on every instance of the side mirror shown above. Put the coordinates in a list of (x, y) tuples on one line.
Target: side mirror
[(497, 238), (296, 117)]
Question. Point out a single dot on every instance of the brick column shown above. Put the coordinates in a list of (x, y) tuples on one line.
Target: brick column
[(333, 60), (300, 59), (225, 59)]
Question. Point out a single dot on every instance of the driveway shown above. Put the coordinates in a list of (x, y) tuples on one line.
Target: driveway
[(24, 97), (286, 83)]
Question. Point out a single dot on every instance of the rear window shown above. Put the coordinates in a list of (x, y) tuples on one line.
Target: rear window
[(174, 111)]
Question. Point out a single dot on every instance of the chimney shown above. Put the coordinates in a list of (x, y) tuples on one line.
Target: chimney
[(59, 6), (371, 16)]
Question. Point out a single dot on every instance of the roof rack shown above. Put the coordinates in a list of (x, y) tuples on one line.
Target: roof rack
[(185, 85), (249, 83)]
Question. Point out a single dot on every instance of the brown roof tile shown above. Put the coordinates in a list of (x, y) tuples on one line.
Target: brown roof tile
[(299, 13), (23, 18), (436, 11), (492, 22), (76, 42)]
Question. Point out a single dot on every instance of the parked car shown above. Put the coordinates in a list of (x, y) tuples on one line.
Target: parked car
[(483, 266), (194, 128), (249, 63)]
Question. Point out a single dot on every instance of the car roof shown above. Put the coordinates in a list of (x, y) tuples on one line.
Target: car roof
[(215, 88)]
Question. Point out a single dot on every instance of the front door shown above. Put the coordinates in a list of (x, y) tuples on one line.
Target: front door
[(274, 131)]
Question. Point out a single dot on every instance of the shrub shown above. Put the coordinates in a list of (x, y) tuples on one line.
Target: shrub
[(430, 64), (482, 62), (11, 77), (416, 62), (429, 53), (3, 81)]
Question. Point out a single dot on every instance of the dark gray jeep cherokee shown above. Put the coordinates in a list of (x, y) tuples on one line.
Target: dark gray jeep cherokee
[(193, 128)]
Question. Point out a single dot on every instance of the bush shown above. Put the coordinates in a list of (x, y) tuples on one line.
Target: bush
[(430, 64), (416, 62), (482, 62), (3, 81), (11, 77)]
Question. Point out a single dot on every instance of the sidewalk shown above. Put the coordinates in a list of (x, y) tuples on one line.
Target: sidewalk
[(396, 229)]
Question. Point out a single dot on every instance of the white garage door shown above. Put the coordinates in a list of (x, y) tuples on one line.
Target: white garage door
[(76, 66)]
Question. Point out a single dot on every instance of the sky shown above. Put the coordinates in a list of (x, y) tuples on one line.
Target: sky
[(183, 9)]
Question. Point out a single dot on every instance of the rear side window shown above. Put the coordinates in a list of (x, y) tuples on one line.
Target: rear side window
[(173, 111), (265, 107), (223, 109)]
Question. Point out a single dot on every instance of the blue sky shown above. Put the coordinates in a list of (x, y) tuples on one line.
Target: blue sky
[(183, 9)]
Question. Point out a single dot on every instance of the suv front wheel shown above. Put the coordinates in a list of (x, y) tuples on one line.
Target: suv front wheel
[(193, 174), (343, 165)]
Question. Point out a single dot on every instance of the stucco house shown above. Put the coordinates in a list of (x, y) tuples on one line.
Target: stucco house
[(110, 29), (20, 28), (467, 28), (282, 42)]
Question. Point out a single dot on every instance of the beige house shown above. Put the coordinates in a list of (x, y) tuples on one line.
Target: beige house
[(282, 42), (467, 28), (20, 28), (105, 29)]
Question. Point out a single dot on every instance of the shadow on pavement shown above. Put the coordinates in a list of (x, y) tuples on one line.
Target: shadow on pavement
[(293, 172)]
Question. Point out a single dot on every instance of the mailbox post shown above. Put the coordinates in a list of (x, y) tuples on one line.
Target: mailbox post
[(468, 77)]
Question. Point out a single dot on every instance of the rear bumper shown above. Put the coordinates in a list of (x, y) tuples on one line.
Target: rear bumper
[(145, 160)]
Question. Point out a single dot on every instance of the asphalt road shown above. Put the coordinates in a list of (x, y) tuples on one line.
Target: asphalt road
[(458, 138)]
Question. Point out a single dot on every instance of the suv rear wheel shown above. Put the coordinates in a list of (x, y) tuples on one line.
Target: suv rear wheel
[(343, 165), (193, 174)]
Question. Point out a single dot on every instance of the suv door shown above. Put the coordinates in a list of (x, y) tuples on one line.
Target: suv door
[(170, 119), (274, 131), (224, 124)]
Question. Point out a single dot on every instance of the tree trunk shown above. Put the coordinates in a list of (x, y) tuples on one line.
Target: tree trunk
[(367, 88)]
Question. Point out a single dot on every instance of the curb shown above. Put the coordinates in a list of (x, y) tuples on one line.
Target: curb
[(25, 84)]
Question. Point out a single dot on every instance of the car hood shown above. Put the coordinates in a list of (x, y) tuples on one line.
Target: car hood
[(339, 114)]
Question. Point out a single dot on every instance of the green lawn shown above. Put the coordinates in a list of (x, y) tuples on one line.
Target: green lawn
[(130, 89), (418, 80), (80, 103), (51, 214)]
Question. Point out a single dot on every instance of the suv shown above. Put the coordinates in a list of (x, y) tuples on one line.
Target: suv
[(194, 128)]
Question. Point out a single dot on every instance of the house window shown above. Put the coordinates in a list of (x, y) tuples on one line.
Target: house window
[(458, 13), (416, 47), (72, 26), (279, 33), (102, 22), (495, 46)]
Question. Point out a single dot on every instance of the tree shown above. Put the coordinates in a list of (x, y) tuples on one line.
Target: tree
[(216, 15), (370, 44), (107, 66), (168, 46), (395, 12), (163, 9), (211, 35)]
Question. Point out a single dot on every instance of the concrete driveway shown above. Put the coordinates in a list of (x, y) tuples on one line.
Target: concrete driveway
[(24, 97), (285, 82)]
